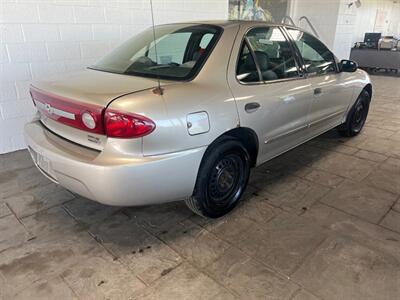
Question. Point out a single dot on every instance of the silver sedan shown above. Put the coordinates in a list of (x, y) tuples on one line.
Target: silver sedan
[(185, 113)]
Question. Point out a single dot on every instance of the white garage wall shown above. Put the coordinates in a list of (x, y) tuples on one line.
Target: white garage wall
[(345, 29), (340, 26), (366, 18), (354, 22), (332, 19), (323, 14), (46, 38)]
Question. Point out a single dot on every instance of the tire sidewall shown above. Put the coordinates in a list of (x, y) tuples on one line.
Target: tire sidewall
[(212, 156), (364, 98), (347, 128)]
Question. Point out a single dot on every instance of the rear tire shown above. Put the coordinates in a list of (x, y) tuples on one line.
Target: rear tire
[(357, 116), (222, 179)]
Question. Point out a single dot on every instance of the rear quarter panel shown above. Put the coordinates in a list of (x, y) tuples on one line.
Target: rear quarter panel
[(208, 92)]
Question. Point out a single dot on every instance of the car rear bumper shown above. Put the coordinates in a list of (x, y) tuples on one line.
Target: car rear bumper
[(110, 179)]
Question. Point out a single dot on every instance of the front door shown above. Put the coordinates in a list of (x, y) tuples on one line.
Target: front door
[(331, 96), (271, 95)]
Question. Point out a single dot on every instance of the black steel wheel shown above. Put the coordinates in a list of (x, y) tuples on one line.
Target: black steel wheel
[(223, 182), (222, 178), (357, 116)]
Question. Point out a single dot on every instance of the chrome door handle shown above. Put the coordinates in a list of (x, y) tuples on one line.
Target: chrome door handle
[(252, 107), (317, 91)]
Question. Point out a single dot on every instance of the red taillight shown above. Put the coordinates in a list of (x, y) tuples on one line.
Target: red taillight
[(126, 125), (90, 117), (82, 116)]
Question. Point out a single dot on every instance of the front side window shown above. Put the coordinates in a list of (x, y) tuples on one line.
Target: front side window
[(317, 57), (177, 53), (272, 53)]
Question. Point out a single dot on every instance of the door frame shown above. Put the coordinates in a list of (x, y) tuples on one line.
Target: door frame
[(293, 48), (232, 72)]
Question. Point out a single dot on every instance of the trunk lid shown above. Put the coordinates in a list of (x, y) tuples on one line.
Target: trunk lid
[(60, 102), (95, 87)]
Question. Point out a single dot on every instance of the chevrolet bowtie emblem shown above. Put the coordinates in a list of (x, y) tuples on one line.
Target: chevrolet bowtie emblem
[(48, 108)]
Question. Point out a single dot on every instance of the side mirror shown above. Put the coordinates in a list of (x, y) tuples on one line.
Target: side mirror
[(348, 66)]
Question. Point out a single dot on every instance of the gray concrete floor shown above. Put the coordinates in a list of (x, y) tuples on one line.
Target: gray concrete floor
[(320, 222)]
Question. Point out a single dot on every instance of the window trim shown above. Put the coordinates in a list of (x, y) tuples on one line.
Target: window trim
[(300, 57), (261, 81)]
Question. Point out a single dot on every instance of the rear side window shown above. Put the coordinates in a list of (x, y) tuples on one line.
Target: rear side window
[(272, 53), (317, 57)]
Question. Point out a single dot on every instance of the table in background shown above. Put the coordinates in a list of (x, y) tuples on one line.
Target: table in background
[(376, 59)]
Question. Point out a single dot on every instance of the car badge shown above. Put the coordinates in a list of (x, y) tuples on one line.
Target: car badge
[(48, 108)]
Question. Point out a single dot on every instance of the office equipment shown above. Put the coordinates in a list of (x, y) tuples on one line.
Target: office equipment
[(387, 43), (371, 39)]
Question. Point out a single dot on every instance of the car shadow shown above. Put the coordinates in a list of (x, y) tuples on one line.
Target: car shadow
[(153, 240), (133, 227)]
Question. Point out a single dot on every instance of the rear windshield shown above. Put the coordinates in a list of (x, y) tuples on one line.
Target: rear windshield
[(178, 53)]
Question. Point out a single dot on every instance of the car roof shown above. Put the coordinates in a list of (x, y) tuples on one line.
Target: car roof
[(229, 23)]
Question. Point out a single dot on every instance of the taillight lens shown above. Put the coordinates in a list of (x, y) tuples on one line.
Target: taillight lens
[(126, 125), (90, 117), (83, 116)]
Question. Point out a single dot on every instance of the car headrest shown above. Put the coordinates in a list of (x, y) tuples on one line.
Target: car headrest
[(263, 60), (198, 53)]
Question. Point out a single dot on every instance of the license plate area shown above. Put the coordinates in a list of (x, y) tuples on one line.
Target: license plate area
[(43, 163)]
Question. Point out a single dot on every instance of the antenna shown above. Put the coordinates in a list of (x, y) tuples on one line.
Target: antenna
[(158, 90)]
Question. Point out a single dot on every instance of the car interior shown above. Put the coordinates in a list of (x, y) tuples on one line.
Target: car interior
[(317, 58), (177, 53), (272, 53)]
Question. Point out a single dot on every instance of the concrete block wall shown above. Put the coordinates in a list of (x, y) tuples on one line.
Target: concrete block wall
[(340, 25), (323, 15), (42, 38), (367, 15), (354, 22), (345, 28)]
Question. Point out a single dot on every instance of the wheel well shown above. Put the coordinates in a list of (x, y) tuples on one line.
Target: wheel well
[(248, 138), (368, 88)]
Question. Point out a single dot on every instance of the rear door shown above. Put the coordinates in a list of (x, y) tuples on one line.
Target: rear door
[(271, 94), (330, 94)]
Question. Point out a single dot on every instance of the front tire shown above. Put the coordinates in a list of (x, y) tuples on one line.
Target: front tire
[(357, 116), (222, 179)]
